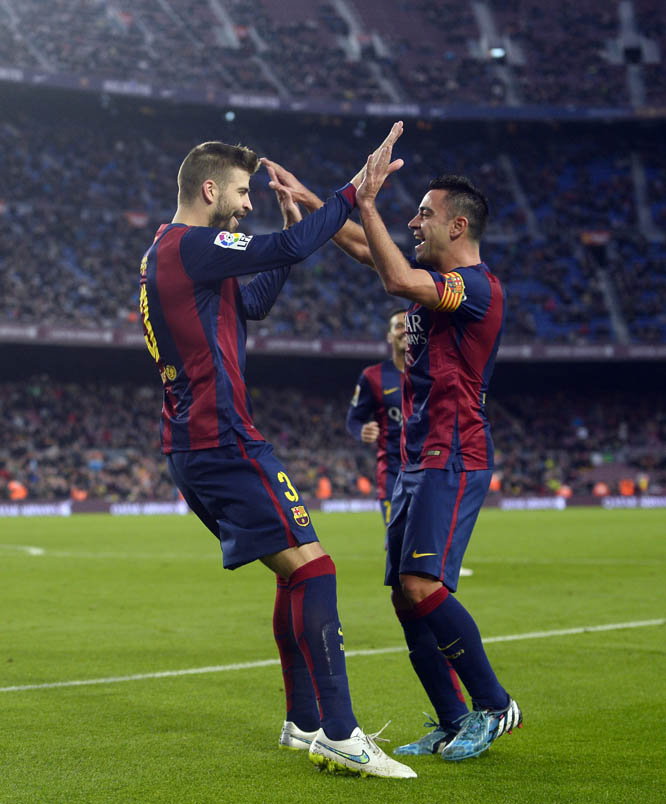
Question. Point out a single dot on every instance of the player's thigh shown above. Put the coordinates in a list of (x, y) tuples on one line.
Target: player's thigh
[(442, 512), (266, 514), (248, 494), (178, 471)]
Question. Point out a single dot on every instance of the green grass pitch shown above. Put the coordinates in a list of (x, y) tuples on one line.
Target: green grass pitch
[(94, 597)]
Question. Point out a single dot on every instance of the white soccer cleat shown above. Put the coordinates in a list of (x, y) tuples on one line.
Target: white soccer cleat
[(294, 738), (465, 572), (359, 753)]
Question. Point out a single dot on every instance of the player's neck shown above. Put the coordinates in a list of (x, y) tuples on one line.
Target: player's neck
[(190, 216), (467, 254), (399, 361)]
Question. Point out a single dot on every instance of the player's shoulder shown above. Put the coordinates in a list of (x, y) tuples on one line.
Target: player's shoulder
[(473, 278), (480, 272), (373, 371)]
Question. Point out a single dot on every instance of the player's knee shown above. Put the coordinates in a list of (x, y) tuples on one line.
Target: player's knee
[(400, 602), (415, 588)]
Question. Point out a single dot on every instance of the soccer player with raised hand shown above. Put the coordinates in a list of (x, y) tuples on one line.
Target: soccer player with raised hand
[(194, 314), (454, 326)]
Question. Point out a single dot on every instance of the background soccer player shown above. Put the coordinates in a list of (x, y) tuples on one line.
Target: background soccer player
[(453, 331), (194, 314), (375, 411)]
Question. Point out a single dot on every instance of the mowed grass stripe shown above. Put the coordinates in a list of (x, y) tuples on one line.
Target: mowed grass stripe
[(350, 654)]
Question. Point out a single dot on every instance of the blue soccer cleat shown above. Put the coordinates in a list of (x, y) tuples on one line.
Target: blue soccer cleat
[(481, 728), (434, 742)]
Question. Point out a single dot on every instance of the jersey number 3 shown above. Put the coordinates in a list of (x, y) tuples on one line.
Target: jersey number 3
[(292, 494)]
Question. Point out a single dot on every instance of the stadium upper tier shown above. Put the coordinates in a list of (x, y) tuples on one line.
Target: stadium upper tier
[(586, 53), (576, 234)]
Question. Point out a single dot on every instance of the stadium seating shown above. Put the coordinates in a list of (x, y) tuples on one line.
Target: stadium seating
[(566, 54), (83, 198), (62, 440)]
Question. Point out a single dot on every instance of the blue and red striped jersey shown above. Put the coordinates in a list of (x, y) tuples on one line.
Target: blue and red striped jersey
[(194, 314), (378, 396), (450, 359)]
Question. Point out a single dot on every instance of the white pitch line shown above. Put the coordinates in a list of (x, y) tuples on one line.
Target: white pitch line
[(24, 548), (224, 668)]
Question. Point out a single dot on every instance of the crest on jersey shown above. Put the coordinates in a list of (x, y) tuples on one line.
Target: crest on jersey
[(235, 240), (301, 515)]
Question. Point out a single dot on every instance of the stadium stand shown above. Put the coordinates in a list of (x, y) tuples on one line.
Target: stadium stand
[(578, 210), (63, 440), (74, 223), (580, 53)]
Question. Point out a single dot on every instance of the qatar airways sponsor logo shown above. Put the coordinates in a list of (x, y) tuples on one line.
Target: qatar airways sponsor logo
[(534, 504), (148, 508), (646, 501), (36, 509), (416, 333)]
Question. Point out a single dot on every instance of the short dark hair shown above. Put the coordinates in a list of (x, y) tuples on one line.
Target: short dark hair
[(396, 311), (464, 198), (210, 160)]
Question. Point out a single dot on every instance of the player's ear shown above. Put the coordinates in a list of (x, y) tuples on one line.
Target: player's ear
[(209, 191), (458, 226)]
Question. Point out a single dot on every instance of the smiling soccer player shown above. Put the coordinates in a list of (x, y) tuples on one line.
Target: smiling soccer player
[(194, 314)]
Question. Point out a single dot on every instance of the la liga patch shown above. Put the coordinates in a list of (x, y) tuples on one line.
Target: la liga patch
[(235, 240)]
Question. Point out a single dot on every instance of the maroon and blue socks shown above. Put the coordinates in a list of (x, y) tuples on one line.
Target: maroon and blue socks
[(314, 643), (459, 643), (301, 700), (438, 678)]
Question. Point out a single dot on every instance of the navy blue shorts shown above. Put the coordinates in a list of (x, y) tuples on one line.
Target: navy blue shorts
[(385, 502), (244, 495), (433, 512)]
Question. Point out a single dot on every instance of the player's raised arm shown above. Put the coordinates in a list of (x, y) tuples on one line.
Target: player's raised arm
[(260, 294), (209, 255), (397, 275), (351, 237)]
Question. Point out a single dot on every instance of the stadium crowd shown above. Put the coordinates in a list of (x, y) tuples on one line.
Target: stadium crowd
[(67, 440), (431, 52), (74, 227)]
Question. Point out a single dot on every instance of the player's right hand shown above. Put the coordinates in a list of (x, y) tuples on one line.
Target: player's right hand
[(369, 432), (388, 143)]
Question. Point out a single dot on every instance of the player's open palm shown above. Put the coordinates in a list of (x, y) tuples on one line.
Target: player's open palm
[(379, 166)]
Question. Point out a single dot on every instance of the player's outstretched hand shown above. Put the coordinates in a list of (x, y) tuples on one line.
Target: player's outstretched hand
[(281, 177), (385, 148), (288, 207)]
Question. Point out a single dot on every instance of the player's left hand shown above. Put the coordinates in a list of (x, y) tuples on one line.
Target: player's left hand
[(280, 176)]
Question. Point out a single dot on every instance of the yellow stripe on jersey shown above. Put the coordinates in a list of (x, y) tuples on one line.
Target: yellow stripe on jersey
[(453, 292)]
